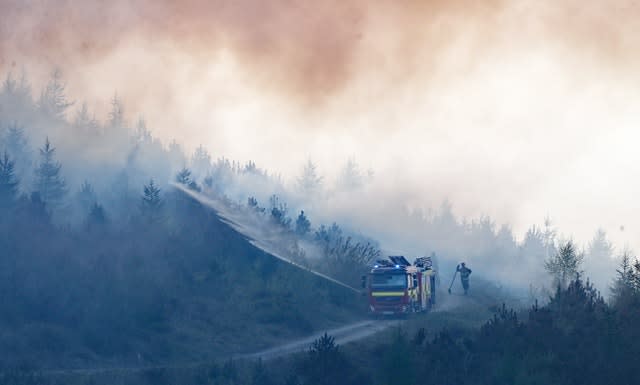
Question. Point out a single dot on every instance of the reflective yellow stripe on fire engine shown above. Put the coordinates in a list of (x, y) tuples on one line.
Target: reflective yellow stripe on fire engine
[(387, 293)]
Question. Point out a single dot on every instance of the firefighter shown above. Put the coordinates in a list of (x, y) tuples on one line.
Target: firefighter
[(464, 276)]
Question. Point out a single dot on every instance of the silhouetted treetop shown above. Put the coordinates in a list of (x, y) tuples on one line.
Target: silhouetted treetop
[(565, 264), (49, 183), (303, 225), (151, 204), (116, 114), (309, 181), (53, 100), (8, 181)]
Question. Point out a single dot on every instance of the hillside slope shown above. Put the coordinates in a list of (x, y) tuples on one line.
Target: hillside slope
[(186, 287)]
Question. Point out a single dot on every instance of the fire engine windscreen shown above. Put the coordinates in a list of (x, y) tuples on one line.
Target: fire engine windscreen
[(388, 281)]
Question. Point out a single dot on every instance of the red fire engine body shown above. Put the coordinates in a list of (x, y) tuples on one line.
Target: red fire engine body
[(395, 286)]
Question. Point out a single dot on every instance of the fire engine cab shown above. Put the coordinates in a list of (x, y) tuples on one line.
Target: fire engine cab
[(395, 286)]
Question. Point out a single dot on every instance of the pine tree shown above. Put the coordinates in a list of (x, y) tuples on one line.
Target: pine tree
[(600, 247), (85, 122), (35, 209), (325, 363), (303, 226), (15, 98), (201, 162), (250, 168), (86, 196), (49, 183), (184, 178), (279, 212), (17, 145), (142, 133), (599, 265), (252, 203), (535, 244), (351, 177), (15, 139), (624, 285), (309, 182), (8, 182), (53, 100), (151, 205), (9, 85), (116, 115), (97, 217), (565, 265)]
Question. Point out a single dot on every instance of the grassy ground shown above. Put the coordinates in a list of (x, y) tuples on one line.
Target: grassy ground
[(456, 313)]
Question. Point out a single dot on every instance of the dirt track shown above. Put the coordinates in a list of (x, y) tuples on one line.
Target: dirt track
[(342, 335)]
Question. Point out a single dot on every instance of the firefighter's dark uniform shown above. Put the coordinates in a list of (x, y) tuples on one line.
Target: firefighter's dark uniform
[(464, 276)]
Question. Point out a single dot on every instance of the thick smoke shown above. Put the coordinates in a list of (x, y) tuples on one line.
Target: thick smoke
[(314, 50), (311, 50), (516, 109)]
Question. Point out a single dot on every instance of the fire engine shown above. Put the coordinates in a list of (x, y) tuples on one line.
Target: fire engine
[(395, 286)]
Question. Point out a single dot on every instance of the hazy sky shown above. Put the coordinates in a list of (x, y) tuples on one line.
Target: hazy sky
[(515, 109)]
